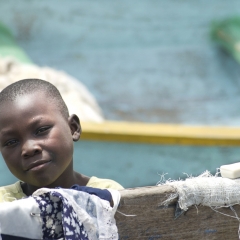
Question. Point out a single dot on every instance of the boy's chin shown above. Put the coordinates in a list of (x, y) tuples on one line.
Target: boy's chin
[(43, 184)]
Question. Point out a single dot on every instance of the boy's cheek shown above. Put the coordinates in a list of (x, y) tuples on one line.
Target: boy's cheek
[(9, 154)]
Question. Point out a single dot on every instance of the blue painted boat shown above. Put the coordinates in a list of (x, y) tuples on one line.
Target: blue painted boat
[(184, 78)]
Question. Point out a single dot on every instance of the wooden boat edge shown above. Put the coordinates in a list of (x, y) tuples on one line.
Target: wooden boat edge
[(155, 221), (161, 133)]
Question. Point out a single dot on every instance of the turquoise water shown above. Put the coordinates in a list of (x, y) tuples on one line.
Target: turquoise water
[(135, 165)]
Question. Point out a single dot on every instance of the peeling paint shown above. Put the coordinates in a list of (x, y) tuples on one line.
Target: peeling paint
[(155, 237), (210, 231)]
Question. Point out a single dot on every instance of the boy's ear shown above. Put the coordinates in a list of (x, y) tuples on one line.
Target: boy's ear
[(75, 126)]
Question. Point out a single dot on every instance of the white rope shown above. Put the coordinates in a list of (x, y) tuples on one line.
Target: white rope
[(206, 190)]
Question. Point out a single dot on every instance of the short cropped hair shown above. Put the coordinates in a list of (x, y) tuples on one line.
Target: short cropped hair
[(28, 86)]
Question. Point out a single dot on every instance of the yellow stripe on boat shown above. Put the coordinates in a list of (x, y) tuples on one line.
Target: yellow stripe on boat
[(161, 133)]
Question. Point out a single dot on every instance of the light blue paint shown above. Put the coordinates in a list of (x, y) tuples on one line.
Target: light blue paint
[(144, 60), (135, 165), (155, 237), (210, 231)]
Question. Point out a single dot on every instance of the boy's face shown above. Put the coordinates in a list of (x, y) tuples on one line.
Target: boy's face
[(36, 141)]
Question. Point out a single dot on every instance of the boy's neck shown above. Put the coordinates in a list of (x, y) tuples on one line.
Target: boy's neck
[(78, 178)]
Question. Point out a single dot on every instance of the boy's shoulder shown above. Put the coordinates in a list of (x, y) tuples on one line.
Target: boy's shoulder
[(15, 187), (14, 191), (11, 192), (103, 183)]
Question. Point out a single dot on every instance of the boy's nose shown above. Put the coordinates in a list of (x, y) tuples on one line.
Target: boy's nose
[(30, 148)]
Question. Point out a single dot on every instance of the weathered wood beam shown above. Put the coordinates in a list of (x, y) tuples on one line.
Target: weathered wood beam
[(154, 221)]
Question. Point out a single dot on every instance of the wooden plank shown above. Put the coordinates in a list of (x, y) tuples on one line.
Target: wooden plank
[(154, 221), (161, 133)]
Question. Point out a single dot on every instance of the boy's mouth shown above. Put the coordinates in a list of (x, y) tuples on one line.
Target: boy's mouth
[(37, 165)]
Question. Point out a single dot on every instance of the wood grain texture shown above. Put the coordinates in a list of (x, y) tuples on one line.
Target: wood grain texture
[(154, 221)]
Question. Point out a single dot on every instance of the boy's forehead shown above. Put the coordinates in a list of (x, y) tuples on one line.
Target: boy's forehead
[(24, 102), (38, 95)]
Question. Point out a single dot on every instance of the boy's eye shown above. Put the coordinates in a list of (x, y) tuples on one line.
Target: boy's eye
[(41, 130), (10, 142)]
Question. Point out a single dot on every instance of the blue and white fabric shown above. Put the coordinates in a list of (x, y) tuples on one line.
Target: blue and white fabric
[(60, 214)]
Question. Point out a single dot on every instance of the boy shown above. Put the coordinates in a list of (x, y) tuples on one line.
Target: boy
[(36, 140)]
